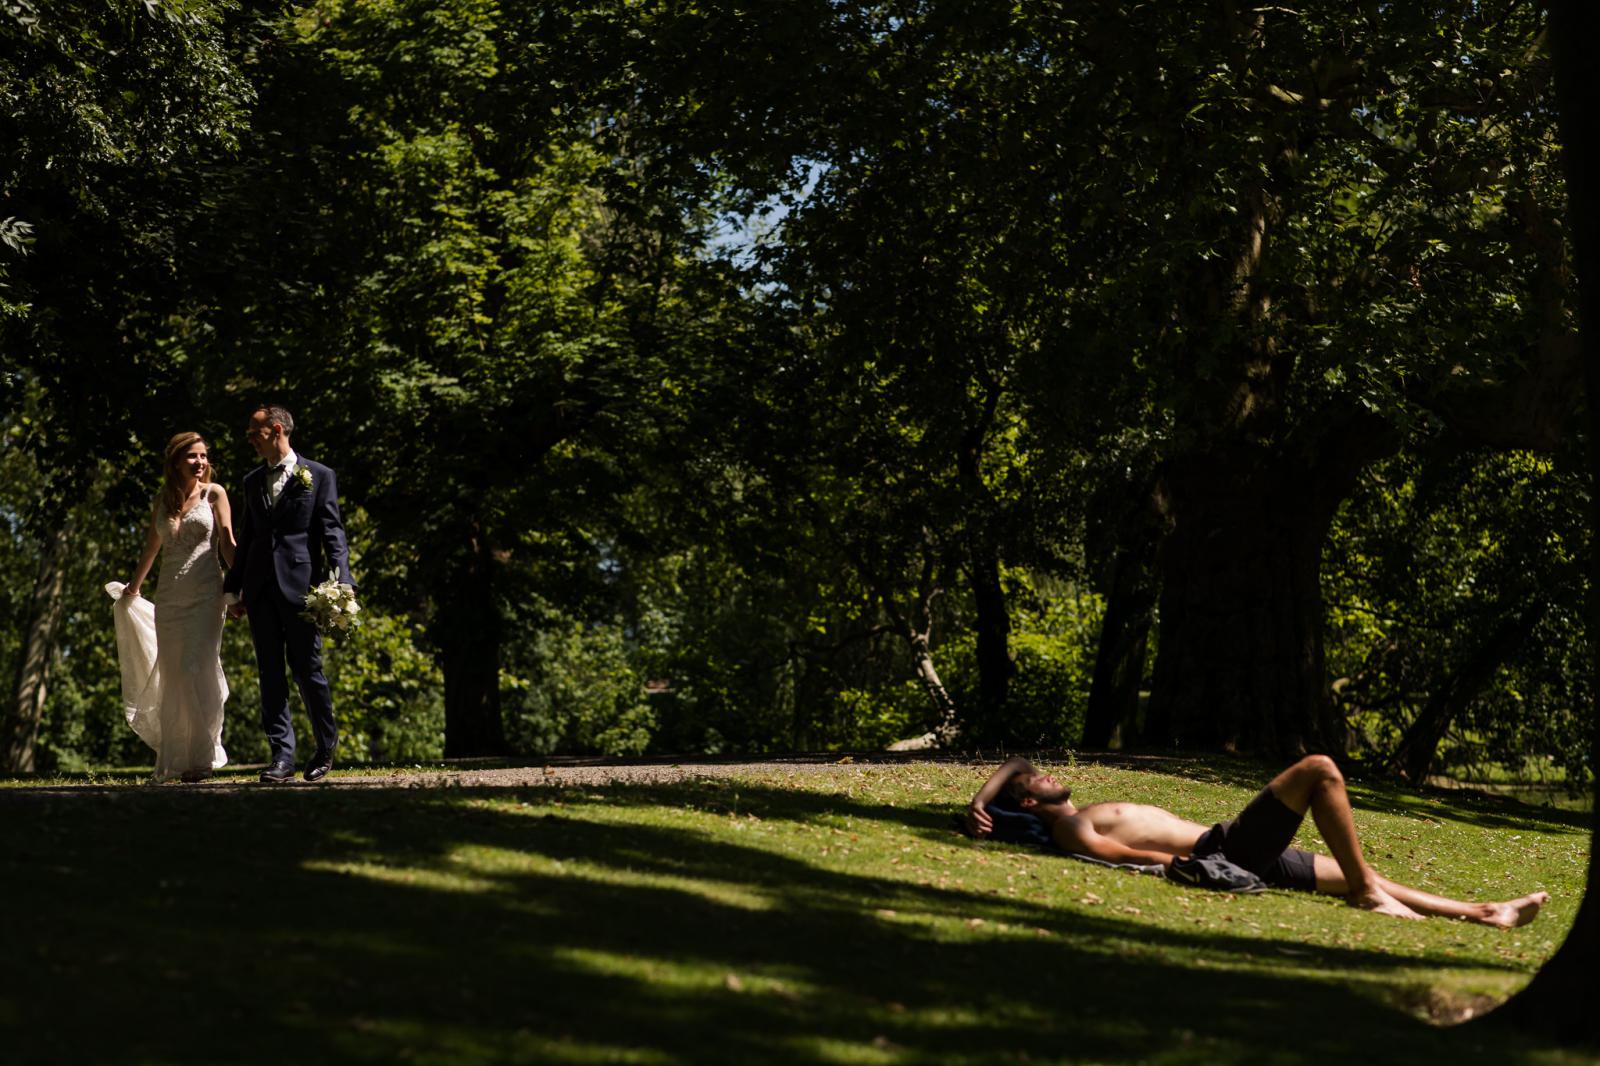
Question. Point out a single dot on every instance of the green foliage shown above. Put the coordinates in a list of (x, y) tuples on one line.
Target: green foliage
[(572, 686), (872, 719), (1424, 565), (1053, 647), (106, 109), (476, 304), (715, 635), (388, 695), (19, 550), (1008, 272)]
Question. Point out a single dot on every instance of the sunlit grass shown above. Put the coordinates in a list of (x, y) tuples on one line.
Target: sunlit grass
[(825, 914)]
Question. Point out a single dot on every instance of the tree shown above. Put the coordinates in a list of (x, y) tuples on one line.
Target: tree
[(1559, 998), (913, 275), (1455, 592), (481, 275), (104, 109), (1297, 242)]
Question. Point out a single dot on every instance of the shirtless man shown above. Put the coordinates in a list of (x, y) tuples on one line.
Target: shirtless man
[(1258, 839)]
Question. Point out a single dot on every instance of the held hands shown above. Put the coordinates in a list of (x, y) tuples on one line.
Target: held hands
[(978, 821), (236, 610)]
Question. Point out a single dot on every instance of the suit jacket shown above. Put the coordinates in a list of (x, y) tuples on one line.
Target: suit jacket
[(291, 543)]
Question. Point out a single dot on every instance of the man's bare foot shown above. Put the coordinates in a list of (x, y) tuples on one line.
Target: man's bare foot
[(1515, 912), (1377, 900)]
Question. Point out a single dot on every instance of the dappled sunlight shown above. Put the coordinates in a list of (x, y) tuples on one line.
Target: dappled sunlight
[(941, 875), (692, 977), (834, 919), (419, 877), (506, 863)]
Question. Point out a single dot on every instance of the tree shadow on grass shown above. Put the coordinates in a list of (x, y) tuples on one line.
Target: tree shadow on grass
[(406, 925)]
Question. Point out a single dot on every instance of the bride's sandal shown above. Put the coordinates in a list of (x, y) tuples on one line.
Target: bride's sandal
[(192, 776)]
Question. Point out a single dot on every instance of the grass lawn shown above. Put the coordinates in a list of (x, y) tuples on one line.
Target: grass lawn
[(789, 915)]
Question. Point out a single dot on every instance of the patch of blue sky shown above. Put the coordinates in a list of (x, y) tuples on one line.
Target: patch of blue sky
[(741, 238)]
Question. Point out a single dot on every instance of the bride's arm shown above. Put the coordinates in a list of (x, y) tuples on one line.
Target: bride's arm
[(147, 559), (224, 513)]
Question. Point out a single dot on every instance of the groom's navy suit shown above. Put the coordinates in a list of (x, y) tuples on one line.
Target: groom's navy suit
[(283, 547)]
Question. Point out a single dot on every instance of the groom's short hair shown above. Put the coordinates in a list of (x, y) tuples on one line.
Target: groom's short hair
[(279, 414)]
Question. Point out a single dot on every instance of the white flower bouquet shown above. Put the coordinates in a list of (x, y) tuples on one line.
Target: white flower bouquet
[(332, 607)]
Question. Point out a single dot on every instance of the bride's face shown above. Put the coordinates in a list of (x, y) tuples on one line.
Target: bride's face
[(195, 462)]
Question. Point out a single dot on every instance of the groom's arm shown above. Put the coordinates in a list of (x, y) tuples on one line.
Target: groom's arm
[(330, 529)]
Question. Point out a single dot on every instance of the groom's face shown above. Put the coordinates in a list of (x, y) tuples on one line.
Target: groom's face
[(263, 435)]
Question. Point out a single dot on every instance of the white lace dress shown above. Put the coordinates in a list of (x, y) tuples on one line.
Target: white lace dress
[(173, 688)]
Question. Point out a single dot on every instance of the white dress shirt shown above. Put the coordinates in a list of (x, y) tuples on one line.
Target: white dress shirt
[(278, 476)]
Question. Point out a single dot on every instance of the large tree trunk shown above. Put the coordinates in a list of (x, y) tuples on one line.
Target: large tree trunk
[(1560, 1000), (38, 649), (1131, 589), (987, 721), (1240, 663), (1120, 654), (1420, 744), (468, 634)]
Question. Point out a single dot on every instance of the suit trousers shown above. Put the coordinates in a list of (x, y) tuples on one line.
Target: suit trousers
[(278, 631)]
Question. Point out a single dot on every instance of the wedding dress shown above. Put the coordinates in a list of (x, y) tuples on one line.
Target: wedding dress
[(170, 654)]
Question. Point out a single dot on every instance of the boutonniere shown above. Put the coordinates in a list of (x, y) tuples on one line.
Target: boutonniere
[(302, 474)]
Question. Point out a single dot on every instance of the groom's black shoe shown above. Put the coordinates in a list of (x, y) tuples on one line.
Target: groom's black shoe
[(319, 766), (280, 771)]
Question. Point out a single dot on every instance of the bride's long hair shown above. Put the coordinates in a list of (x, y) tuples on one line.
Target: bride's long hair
[(172, 494)]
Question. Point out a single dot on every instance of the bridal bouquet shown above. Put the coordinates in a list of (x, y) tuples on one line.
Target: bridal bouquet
[(332, 606)]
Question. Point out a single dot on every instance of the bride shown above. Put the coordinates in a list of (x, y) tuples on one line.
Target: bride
[(173, 687)]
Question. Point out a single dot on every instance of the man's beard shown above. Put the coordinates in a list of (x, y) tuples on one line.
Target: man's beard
[(1053, 796)]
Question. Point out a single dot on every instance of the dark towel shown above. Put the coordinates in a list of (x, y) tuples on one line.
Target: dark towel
[(1016, 826), (1213, 871)]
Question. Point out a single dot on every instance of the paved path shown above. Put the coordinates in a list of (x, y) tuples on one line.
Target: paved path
[(572, 771), (554, 772)]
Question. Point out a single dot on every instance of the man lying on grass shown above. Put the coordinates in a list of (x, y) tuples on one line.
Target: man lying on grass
[(1258, 839)]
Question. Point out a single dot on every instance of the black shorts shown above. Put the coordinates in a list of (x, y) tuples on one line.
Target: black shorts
[(1258, 839)]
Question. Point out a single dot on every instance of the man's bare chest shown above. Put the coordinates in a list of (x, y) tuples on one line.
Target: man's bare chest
[(1141, 825)]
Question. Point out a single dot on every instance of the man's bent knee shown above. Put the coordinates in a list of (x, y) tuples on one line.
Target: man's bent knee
[(1312, 775), (1321, 768)]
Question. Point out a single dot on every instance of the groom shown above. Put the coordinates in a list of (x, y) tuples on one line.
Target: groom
[(291, 531)]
